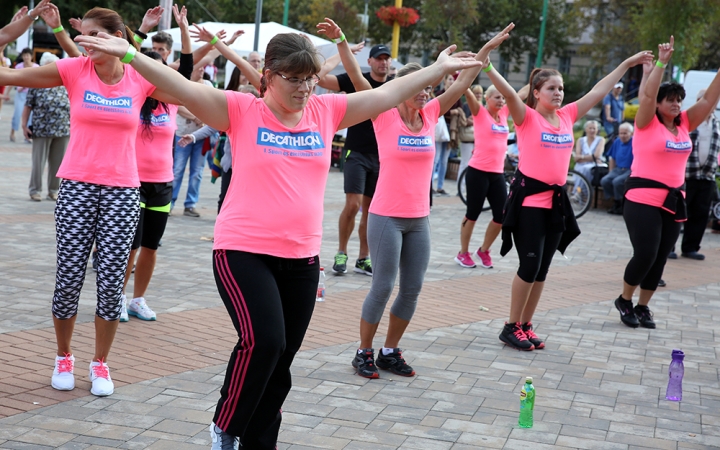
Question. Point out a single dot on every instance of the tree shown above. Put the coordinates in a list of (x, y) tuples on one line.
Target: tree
[(342, 12)]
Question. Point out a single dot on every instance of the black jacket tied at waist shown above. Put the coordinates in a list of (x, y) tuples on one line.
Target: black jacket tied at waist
[(562, 217), (674, 202)]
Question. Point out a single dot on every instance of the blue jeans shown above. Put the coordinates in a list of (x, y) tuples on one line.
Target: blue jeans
[(441, 160), (20, 98), (613, 183), (192, 152)]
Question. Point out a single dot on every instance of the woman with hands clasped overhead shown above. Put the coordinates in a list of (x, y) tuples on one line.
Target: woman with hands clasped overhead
[(538, 216), (398, 225), (267, 273), (98, 198), (654, 202)]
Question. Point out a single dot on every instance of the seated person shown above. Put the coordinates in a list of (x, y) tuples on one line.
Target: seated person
[(620, 159), (589, 150)]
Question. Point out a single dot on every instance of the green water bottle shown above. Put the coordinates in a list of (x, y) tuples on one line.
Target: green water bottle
[(527, 403)]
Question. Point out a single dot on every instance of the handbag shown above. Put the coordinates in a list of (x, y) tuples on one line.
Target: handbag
[(467, 134), (598, 172), (442, 134)]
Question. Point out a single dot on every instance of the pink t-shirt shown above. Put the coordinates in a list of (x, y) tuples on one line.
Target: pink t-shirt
[(661, 156), (490, 141), (545, 150), (154, 148), (406, 164), (103, 124), (274, 204)]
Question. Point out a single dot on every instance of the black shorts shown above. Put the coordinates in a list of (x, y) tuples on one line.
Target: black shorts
[(361, 173), (482, 185), (155, 201)]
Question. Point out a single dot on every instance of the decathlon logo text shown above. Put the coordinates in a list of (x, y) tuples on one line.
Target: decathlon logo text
[(308, 140)]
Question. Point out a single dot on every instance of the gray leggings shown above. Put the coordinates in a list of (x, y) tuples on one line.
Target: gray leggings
[(402, 244)]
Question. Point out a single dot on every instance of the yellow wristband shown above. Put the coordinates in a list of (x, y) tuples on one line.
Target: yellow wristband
[(131, 51), (58, 29), (660, 64), (136, 38), (488, 68), (214, 40)]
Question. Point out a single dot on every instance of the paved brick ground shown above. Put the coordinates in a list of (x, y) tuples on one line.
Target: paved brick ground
[(600, 385)]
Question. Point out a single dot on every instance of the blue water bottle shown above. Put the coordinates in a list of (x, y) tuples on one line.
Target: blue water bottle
[(676, 372)]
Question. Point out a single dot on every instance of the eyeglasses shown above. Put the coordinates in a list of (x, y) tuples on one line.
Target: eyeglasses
[(296, 82), (428, 89)]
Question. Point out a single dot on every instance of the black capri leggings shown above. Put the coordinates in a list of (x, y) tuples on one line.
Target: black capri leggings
[(535, 246), (481, 185), (653, 232), (155, 201)]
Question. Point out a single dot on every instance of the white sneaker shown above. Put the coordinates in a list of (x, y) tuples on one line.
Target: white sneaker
[(102, 384), (138, 308), (62, 377), (123, 310), (221, 440)]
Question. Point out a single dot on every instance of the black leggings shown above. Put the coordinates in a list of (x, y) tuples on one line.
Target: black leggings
[(155, 201), (481, 185), (653, 233), (535, 246), (270, 301)]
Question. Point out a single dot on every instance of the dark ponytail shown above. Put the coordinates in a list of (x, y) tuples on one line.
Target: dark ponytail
[(151, 104)]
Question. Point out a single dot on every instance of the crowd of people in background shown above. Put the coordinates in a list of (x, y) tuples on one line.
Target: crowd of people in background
[(116, 160)]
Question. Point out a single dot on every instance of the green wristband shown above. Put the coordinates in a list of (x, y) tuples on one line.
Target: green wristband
[(338, 40), (58, 29), (660, 64), (488, 68), (136, 38), (131, 51), (214, 40)]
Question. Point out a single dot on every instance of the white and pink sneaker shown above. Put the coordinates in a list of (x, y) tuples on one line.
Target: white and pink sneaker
[(62, 377), (485, 259), (465, 260)]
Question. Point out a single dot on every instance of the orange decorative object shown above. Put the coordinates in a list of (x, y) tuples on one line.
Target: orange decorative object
[(403, 16)]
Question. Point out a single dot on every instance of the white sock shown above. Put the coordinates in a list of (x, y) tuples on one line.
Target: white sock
[(386, 351)]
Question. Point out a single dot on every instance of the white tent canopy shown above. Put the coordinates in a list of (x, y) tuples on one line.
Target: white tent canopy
[(244, 44)]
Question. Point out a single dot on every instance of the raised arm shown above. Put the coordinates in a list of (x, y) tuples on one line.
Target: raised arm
[(21, 21), (201, 34), (51, 16), (333, 32), (650, 84), (33, 77), (208, 104), (472, 102), (366, 104), (604, 86), (698, 112), (514, 102)]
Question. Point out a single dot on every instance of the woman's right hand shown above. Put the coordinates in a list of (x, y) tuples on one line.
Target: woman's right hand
[(185, 140), (105, 43), (665, 50), (201, 34), (76, 24), (499, 38)]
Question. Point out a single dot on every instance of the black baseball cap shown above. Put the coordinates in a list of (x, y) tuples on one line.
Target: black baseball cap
[(378, 50)]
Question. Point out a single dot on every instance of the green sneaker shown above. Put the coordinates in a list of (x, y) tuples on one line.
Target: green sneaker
[(364, 266), (340, 265)]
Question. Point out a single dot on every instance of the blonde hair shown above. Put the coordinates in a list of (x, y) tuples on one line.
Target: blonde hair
[(591, 122), (490, 91)]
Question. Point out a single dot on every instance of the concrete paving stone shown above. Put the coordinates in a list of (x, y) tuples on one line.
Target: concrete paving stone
[(368, 446), (533, 435), (371, 437), (311, 440), (416, 443), (169, 445), (24, 446), (74, 446), (138, 443), (44, 437), (515, 444), (180, 427), (646, 442), (182, 414)]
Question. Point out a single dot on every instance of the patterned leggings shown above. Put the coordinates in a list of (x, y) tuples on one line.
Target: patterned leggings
[(86, 213)]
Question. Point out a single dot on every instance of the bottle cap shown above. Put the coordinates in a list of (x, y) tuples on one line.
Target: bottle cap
[(322, 269), (528, 379), (678, 354)]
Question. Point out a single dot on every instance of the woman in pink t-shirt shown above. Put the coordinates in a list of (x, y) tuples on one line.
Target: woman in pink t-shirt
[(268, 232), (538, 216), (654, 203), (98, 198), (398, 225)]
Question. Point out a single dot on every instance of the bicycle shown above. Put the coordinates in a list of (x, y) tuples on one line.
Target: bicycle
[(578, 188)]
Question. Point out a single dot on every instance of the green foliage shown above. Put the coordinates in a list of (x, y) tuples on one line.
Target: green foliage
[(343, 13)]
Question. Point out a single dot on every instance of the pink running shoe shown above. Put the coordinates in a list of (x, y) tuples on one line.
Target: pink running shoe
[(465, 260), (485, 259)]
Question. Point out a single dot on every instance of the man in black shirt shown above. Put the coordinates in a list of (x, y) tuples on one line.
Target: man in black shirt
[(362, 167)]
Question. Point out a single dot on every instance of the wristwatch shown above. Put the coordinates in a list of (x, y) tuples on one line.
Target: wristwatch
[(31, 16)]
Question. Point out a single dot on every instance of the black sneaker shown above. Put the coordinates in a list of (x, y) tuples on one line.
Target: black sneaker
[(514, 336), (693, 255), (531, 336), (364, 266), (395, 363), (627, 313), (364, 363), (644, 316)]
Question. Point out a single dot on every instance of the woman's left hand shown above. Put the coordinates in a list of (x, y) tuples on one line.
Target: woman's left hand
[(330, 29), (640, 58), (104, 43), (201, 34), (451, 65)]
